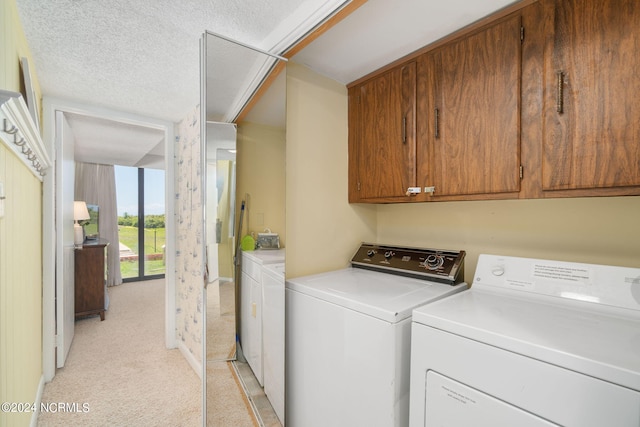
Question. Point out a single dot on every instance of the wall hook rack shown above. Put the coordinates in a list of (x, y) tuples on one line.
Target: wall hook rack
[(10, 130), (26, 142)]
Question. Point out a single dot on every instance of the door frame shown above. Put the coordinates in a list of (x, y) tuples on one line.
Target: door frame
[(50, 107)]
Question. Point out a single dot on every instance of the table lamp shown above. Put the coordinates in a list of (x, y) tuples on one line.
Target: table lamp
[(80, 213)]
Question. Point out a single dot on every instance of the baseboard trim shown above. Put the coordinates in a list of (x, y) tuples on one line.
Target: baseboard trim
[(193, 362)]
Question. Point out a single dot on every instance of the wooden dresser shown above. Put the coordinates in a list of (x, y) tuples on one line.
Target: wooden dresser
[(90, 278)]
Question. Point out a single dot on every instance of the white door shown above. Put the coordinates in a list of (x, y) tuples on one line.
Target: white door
[(65, 180)]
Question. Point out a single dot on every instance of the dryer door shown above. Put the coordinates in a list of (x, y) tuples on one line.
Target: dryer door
[(450, 403)]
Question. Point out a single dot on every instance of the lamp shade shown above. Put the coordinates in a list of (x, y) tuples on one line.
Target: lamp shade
[(80, 211)]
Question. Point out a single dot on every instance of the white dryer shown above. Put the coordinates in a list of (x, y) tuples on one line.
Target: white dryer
[(251, 305), (348, 335), (532, 343), (273, 335)]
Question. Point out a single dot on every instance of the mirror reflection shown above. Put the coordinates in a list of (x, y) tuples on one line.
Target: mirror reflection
[(244, 225), (220, 240)]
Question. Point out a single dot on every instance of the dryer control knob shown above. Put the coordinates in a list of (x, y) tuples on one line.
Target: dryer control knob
[(371, 253), (389, 254), (433, 262), (497, 270)]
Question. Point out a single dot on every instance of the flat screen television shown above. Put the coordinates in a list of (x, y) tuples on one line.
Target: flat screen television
[(91, 227)]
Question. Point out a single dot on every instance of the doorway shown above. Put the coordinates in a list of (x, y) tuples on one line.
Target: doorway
[(140, 194), (53, 329)]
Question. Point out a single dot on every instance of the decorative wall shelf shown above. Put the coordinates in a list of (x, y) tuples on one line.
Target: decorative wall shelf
[(20, 134)]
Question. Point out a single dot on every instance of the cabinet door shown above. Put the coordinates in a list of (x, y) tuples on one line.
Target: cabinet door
[(592, 130), (469, 121), (385, 134)]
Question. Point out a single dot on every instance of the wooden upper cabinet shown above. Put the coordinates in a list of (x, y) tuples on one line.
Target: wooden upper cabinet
[(468, 113), (591, 95), (382, 135), (542, 101)]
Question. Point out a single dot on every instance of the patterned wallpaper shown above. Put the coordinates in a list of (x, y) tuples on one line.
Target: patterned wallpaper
[(189, 237)]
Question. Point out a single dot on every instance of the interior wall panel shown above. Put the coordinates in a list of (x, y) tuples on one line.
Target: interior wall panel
[(20, 287), (189, 254), (20, 247)]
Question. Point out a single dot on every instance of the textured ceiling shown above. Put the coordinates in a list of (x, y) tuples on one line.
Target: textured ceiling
[(142, 57)]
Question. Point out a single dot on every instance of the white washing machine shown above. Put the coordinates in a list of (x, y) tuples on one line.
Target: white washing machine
[(532, 343), (251, 306), (348, 335), (273, 336)]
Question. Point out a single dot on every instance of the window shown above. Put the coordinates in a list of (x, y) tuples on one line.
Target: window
[(141, 227)]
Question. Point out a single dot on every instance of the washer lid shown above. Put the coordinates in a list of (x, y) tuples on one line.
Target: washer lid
[(388, 297), (266, 256), (582, 337), (274, 270)]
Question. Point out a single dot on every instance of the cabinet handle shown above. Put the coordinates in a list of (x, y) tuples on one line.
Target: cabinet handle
[(404, 129), (437, 130), (559, 93)]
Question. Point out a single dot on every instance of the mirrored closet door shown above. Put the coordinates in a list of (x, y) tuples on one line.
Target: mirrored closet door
[(243, 128)]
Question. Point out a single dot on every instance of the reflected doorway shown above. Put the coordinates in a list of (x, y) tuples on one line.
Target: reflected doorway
[(220, 242)]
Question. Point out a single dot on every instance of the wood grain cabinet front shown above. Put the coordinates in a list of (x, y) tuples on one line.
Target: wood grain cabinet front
[(447, 121), (90, 279), (537, 101), (469, 113), (382, 135), (591, 102)]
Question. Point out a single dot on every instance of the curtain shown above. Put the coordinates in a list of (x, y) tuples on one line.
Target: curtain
[(96, 185)]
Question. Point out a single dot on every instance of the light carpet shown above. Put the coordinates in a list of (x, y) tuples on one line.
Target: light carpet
[(221, 321), (119, 372), (227, 403)]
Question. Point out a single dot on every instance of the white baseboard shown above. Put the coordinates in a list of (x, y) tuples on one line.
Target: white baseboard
[(195, 364), (37, 400)]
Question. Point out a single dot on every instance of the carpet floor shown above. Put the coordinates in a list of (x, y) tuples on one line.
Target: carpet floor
[(121, 371)]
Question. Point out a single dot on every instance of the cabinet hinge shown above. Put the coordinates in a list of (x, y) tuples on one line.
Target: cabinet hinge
[(521, 34), (520, 171)]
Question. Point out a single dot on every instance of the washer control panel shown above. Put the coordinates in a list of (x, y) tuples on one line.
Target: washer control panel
[(444, 266)]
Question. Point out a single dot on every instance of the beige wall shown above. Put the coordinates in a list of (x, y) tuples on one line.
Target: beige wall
[(323, 230), (602, 230), (261, 175), (226, 248), (14, 46), (20, 247)]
